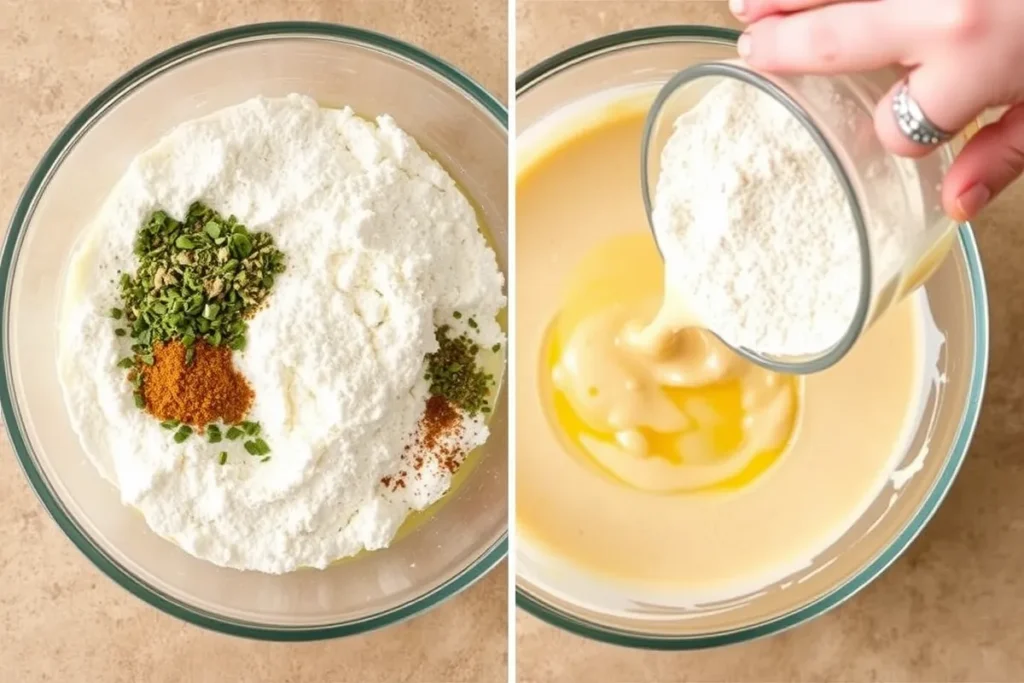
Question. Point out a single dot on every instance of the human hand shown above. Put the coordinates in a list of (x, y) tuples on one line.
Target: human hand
[(962, 57)]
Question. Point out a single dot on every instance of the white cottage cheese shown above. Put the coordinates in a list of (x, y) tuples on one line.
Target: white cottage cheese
[(381, 247)]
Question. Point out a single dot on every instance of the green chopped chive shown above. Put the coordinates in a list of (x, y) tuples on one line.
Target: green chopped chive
[(140, 401), (223, 457), (126, 363), (265, 459), (234, 433), (251, 428), (456, 315), (257, 447), (213, 434), (496, 348), (116, 313), (183, 433), (472, 323), (120, 332), (148, 359), (170, 424)]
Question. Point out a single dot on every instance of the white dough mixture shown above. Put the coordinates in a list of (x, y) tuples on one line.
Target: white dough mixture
[(381, 246), (755, 227)]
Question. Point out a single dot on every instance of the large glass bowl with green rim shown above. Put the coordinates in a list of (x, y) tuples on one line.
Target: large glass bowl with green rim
[(452, 117), (571, 598)]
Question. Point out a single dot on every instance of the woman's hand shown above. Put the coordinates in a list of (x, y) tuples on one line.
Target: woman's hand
[(962, 57)]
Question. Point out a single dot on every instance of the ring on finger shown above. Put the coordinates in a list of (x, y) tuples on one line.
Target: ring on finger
[(913, 122)]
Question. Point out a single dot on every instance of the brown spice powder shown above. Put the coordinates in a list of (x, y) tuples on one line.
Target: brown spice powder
[(208, 390), (440, 421)]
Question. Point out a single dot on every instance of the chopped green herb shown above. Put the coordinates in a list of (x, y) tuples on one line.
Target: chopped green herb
[(456, 315), (213, 434), (257, 447), (183, 433), (223, 457), (234, 433), (140, 401), (265, 459), (202, 277), (120, 332), (496, 348), (251, 428), (170, 424), (126, 363), (453, 372)]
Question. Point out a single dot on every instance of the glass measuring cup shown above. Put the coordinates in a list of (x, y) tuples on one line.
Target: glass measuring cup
[(882, 189)]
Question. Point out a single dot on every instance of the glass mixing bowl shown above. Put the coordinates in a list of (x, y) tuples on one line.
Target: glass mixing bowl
[(644, 60), (452, 117)]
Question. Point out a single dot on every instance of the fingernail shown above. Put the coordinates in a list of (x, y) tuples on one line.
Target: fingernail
[(737, 7), (744, 46), (973, 200)]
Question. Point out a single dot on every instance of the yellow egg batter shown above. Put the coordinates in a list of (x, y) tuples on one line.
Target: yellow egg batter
[(648, 452), (659, 407)]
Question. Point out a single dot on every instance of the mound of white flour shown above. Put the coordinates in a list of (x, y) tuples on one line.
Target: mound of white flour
[(381, 247), (755, 227)]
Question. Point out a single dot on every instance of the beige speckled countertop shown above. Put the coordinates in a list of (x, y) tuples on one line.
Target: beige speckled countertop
[(60, 618), (950, 609)]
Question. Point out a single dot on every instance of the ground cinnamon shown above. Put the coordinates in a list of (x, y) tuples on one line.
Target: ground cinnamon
[(208, 390)]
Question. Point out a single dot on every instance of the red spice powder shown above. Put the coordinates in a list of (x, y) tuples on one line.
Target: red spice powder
[(438, 425)]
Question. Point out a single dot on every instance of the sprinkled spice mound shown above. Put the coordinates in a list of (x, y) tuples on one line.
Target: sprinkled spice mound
[(209, 390), (440, 426), (439, 419)]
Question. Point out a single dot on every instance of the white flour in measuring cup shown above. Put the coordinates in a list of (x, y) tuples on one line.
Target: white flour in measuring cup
[(755, 228)]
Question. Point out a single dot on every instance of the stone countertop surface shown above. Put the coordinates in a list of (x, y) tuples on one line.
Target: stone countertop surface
[(60, 618), (949, 609)]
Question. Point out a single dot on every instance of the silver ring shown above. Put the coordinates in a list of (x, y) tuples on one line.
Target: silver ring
[(913, 122)]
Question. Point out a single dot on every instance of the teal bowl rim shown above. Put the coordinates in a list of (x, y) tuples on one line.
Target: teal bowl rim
[(968, 422), (11, 247)]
